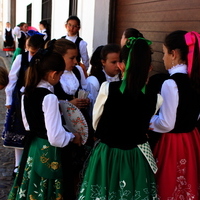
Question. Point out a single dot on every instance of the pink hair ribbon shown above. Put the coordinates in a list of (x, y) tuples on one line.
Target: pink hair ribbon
[(190, 39)]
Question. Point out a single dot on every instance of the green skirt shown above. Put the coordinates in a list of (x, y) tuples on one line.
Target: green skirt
[(116, 174), (42, 175)]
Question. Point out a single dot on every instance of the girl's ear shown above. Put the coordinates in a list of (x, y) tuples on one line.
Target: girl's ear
[(52, 74), (121, 66), (103, 62)]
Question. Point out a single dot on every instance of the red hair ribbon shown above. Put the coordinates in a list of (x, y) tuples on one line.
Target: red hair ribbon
[(190, 39)]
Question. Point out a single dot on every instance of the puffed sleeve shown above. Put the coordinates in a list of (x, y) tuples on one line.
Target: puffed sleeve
[(99, 103), (57, 135), (165, 120)]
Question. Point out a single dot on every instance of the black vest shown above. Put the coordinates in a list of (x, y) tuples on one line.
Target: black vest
[(22, 41), (189, 104), (9, 38), (125, 121), (34, 113)]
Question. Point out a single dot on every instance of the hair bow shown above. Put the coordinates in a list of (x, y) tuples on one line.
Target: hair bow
[(190, 39), (130, 44)]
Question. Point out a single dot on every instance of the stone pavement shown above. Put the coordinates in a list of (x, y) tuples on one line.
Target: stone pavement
[(6, 154)]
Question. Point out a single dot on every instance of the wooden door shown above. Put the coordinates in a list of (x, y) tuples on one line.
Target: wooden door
[(155, 19)]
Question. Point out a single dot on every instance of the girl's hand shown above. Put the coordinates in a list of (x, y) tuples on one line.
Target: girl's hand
[(9, 106), (80, 103), (77, 139)]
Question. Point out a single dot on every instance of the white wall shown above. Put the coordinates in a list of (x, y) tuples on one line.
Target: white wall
[(5, 9), (60, 13), (94, 19), (92, 13)]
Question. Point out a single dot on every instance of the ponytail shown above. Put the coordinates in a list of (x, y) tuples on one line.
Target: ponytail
[(192, 40), (44, 61), (137, 65)]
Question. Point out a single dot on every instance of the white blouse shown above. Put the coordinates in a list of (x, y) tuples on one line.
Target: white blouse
[(57, 135), (70, 83), (165, 120)]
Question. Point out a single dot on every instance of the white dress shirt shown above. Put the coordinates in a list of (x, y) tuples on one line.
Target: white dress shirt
[(57, 135)]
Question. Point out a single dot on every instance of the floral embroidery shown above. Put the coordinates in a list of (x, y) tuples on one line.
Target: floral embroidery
[(183, 189), (54, 165), (46, 160), (22, 193), (99, 193)]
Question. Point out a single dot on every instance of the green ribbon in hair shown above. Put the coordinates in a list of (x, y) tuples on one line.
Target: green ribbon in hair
[(130, 44)]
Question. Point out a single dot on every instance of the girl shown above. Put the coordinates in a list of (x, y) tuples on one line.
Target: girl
[(178, 150), (45, 30), (8, 39), (73, 25), (129, 32), (21, 33), (109, 71), (40, 174), (14, 132), (73, 77), (119, 167), (67, 88)]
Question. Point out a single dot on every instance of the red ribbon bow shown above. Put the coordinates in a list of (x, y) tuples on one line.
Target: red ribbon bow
[(190, 39)]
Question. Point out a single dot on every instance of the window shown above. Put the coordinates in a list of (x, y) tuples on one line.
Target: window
[(28, 14), (46, 10), (73, 7)]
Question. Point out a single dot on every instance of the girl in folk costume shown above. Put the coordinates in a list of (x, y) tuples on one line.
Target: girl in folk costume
[(178, 150), (20, 31), (14, 132), (45, 30), (107, 71), (67, 88), (8, 39), (73, 25), (120, 167), (40, 174)]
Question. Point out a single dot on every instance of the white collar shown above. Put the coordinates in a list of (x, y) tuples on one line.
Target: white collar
[(111, 78), (72, 37), (46, 84), (180, 68)]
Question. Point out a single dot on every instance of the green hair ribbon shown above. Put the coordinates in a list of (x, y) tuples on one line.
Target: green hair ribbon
[(130, 44)]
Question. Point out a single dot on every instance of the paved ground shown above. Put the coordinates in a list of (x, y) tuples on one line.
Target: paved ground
[(6, 154)]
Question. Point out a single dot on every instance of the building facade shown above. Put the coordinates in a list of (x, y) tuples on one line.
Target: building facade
[(103, 21)]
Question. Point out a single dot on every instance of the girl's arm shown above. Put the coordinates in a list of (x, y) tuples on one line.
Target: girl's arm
[(13, 77), (165, 120), (57, 135)]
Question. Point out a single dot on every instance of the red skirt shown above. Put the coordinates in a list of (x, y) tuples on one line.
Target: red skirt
[(178, 161)]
